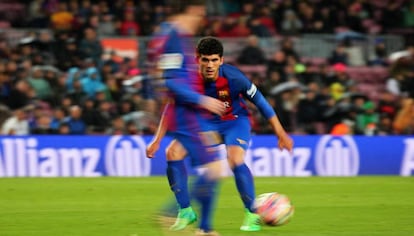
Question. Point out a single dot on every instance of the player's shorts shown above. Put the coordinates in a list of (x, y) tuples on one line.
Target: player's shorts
[(236, 132), (197, 135), (202, 148)]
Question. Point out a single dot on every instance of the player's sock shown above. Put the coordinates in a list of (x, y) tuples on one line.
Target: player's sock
[(245, 185), (177, 178), (205, 192)]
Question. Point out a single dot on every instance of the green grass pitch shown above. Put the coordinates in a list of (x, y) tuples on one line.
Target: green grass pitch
[(361, 206)]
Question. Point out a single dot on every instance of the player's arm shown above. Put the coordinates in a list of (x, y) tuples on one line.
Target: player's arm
[(284, 141), (256, 97), (154, 145)]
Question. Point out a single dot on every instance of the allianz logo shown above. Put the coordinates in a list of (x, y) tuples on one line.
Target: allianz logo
[(120, 156), (126, 157), (337, 156), (332, 156)]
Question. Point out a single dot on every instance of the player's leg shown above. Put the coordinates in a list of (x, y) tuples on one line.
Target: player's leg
[(237, 137), (177, 179), (206, 157), (245, 185), (205, 191)]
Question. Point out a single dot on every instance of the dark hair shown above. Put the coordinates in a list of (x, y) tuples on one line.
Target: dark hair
[(209, 46)]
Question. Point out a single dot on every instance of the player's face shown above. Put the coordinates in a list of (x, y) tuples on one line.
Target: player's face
[(209, 66)]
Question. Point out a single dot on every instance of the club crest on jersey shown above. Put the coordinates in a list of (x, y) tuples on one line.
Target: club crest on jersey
[(223, 93)]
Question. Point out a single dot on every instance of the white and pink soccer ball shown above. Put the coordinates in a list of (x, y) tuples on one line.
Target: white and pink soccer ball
[(274, 209)]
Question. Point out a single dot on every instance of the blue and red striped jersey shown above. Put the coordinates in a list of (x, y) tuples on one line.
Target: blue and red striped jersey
[(233, 87), (173, 53)]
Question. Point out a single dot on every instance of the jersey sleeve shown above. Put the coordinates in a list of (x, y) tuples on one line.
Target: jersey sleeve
[(250, 92), (172, 62)]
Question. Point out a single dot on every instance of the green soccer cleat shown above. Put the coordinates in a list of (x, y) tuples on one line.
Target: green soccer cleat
[(186, 216), (251, 222)]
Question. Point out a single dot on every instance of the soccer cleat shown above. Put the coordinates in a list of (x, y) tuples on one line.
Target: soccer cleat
[(186, 216), (251, 222), (201, 232)]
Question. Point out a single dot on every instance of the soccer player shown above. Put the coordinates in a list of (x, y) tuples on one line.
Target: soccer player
[(186, 112), (231, 86)]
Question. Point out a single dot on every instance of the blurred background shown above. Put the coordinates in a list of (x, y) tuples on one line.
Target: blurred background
[(327, 67)]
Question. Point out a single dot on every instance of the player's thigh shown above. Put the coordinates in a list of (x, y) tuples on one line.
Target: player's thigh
[(175, 151), (201, 152), (237, 133)]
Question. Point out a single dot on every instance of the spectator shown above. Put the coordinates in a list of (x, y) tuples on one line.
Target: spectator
[(387, 104), (5, 87), (60, 50), (36, 15), (41, 87), (277, 63), (310, 19), (353, 19), (241, 28), (89, 112), (74, 121), (287, 47), (42, 125), (63, 129), (106, 26), (43, 44), (345, 127), (129, 27), (90, 46), (118, 126), (258, 29), (367, 122), (16, 124), (380, 54), (308, 113), (408, 14), (252, 54), (394, 83), (339, 55), (327, 23), (392, 16), (385, 125), (215, 7), (291, 24), (105, 114), (132, 129), (403, 122), (62, 19), (20, 95), (58, 117), (73, 54), (273, 79), (92, 83)]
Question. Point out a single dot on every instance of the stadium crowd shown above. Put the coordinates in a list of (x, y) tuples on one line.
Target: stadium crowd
[(55, 80)]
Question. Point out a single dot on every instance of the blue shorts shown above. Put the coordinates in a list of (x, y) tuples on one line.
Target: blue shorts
[(197, 135), (202, 148), (236, 132)]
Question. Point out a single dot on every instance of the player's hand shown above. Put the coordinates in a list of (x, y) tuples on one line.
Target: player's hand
[(285, 142), (152, 148), (213, 105)]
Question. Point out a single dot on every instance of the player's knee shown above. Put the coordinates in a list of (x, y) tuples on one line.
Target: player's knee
[(172, 154), (215, 170), (234, 161)]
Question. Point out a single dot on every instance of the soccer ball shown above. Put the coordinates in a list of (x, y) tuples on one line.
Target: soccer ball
[(274, 209)]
